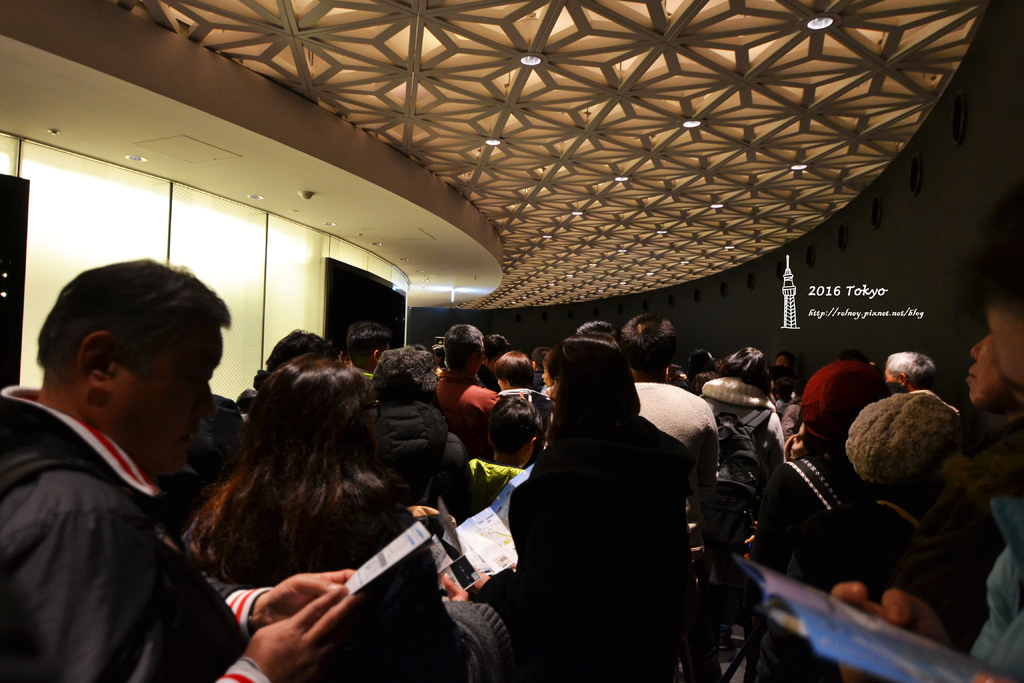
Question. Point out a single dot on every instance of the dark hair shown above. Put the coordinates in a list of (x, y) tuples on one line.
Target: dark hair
[(495, 345), (365, 337), (308, 492), (513, 422), (702, 378), (786, 354), (461, 342), (594, 387), (749, 365), (299, 343), (539, 354), (798, 386), (598, 327), (997, 273), (145, 305), (854, 354), (783, 388), (649, 342), (515, 368), (700, 361)]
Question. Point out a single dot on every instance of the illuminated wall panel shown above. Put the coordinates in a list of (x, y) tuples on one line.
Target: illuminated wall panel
[(8, 155), (82, 214), (224, 244), (295, 280)]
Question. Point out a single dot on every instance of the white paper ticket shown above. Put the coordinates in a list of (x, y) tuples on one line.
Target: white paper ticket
[(393, 553)]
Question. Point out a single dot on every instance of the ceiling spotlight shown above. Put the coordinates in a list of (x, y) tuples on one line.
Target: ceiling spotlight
[(568, 275), (530, 59), (650, 273), (376, 244), (136, 157), (330, 224), (623, 283), (798, 167), (621, 178), (820, 23), (493, 142), (255, 196), (685, 263), (403, 259), (692, 123), (717, 206), (547, 237), (577, 213), (661, 232), (622, 251), (730, 247), (53, 131)]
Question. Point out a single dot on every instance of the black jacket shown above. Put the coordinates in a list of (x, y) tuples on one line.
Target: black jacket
[(110, 598), (413, 439), (600, 530)]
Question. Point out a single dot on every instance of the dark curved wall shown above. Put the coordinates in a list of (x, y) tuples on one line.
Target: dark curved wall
[(917, 252)]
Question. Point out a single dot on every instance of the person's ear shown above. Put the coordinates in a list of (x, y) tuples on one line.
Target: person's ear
[(96, 356), (902, 379), (377, 354)]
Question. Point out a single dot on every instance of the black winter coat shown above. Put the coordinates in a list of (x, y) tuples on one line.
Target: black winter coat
[(413, 439)]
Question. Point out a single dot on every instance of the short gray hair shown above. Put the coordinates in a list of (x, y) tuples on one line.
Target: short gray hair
[(919, 368), (145, 305), (461, 342)]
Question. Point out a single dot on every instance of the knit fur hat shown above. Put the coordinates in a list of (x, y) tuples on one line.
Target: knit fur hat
[(405, 370), (903, 438)]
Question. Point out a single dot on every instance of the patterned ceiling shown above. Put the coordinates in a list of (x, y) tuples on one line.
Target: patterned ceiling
[(732, 125)]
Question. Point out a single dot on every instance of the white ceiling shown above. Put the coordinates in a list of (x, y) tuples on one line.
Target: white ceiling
[(617, 80)]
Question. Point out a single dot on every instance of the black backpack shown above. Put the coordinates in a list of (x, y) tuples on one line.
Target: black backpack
[(731, 510)]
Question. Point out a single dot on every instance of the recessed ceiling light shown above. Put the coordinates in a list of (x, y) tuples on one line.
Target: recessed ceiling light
[(591, 264), (730, 247), (136, 157), (547, 237), (403, 259), (568, 275), (692, 123), (623, 283), (622, 251), (330, 224), (53, 131), (621, 178), (255, 196), (798, 167), (376, 244), (577, 213), (717, 206), (661, 232), (493, 142), (685, 263), (820, 23), (421, 271), (530, 59)]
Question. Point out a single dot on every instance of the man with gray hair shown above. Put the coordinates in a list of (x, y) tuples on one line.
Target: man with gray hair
[(465, 404), (909, 370)]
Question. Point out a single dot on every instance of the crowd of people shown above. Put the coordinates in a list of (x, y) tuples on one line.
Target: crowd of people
[(151, 531)]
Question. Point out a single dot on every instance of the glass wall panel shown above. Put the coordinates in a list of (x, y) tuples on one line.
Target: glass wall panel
[(8, 155), (296, 272), (346, 253), (378, 267), (224, 244), (82, 214), (399, 280)]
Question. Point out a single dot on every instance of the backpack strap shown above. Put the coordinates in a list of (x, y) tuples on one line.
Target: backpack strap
[(817, 482), (755, 418), (913, 521)]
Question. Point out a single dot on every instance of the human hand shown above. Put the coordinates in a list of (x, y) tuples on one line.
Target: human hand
[(795, 448), (291, 595), (475, 588), (455, 592), (299, 648), (899, 609)]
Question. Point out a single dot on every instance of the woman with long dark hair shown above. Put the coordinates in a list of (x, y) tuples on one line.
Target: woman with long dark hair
[(308, 493), (600, 529)]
